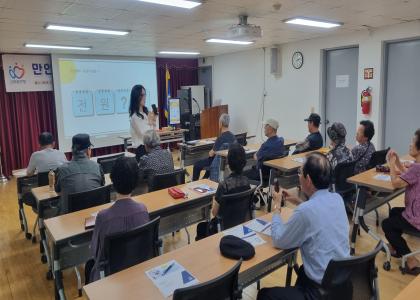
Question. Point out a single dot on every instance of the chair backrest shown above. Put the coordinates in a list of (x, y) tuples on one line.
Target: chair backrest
[(42, 178), (378, 158), (352, 278), (341, 172), (25, 183), (167, 180), (216, 163), (222, 287), (241, 138), (108, 162), (83, 200), (125, 249), (236, 208)]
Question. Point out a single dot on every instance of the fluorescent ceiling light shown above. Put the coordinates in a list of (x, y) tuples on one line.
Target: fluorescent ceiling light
[(85, 29), (56, 47), (177, 3), (313, 23), (179, 53), (223, 41)]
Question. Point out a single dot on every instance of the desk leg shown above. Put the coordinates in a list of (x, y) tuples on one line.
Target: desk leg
[(58, 276), (45, 256), (355, 222), (290, 265)]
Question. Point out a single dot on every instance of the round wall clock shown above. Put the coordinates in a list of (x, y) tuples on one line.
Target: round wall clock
[(297, 60)]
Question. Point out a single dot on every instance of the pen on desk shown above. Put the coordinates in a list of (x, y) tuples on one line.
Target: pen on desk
[(167, 269)]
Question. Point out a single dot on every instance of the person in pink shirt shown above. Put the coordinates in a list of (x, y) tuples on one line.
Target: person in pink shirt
[(405, 218)]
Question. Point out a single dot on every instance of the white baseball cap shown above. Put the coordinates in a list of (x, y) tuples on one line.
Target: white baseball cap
[(272, 123)]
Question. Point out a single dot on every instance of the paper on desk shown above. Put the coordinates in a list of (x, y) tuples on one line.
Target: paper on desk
[(299, 159), (246, 234), (260, 226), (382, 177), (170, 276)]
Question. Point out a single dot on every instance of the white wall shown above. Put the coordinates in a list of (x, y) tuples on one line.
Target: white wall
[(238, 80)]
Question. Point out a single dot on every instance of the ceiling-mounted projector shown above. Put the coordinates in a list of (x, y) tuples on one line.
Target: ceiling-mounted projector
[(244, 31)]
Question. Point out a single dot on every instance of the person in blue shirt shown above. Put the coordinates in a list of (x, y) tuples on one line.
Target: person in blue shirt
[(272, 148), (314, 140), (225, 138), (318, 226)]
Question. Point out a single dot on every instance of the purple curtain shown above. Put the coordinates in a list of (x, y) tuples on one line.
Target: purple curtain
[(182, 71)]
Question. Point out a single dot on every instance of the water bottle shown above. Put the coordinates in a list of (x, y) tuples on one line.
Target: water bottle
[(51, 180)]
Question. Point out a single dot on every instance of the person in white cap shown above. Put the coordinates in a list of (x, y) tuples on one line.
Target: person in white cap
[(272, 148)]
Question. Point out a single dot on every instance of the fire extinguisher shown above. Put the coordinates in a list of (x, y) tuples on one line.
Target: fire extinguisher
[(366, 100)]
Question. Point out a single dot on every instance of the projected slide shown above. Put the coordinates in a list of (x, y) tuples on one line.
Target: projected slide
[(93, 96)]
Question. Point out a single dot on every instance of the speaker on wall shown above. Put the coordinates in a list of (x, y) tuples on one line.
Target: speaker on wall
[(275, 61)]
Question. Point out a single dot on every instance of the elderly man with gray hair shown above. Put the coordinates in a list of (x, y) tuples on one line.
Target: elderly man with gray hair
[(225, 138), (157, 160)]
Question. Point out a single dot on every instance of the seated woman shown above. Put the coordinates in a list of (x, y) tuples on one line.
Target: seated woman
[(157, 160), (405, 218), (234, 183), (339, 153), (122, 216)]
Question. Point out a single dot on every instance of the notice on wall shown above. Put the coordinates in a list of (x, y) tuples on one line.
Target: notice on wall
[(342, 81), (27, 73)]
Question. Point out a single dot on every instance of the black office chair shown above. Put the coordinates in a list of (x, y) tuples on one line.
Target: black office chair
[(241, 138), (235, 209), (42, 180), (378, 158), (352, 278), (222, 287), (23, 186), (341, 173), (125, 249), (167, 180), (87, 199), (83, 200), (108, 162)]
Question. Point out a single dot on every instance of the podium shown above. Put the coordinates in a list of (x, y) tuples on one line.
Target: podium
[(209, 121)]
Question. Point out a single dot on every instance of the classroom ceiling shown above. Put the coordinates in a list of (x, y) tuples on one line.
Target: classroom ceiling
[(156, 27)]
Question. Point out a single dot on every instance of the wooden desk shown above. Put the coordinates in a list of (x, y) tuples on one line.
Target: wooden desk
[(202, 259), (366, 203), (70, 240), (411, 291), (250, 149)]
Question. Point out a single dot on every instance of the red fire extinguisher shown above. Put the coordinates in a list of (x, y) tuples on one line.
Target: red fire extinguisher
[(366, 100)]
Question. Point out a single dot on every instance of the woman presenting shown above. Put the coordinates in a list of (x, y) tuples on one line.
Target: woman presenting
[(141, 119)]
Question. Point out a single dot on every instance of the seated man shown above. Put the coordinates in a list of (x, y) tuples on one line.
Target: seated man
[(318, 226), (47, 158), (272, 148), (339, 153), (364, 150), (122, 216), (225, 137), (156, 160), (405, 218), (314, 140), (234, 183), (80, 174)]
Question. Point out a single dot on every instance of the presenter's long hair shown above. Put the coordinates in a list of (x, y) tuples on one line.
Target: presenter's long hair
[(136, 92)]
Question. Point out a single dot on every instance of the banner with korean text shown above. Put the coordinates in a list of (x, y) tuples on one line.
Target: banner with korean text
[(27, 73)]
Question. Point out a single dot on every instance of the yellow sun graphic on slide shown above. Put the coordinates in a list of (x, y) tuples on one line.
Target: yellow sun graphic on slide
[(68, 71)]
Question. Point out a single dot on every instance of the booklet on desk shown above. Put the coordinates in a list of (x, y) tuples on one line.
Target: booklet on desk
[(170, 276), (203, 188), (90, 222)]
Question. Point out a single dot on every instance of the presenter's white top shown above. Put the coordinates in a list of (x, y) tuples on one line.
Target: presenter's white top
[(138, 126)]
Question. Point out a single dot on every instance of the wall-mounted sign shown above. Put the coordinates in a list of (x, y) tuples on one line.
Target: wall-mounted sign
[(27, 73), (368, 73)]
